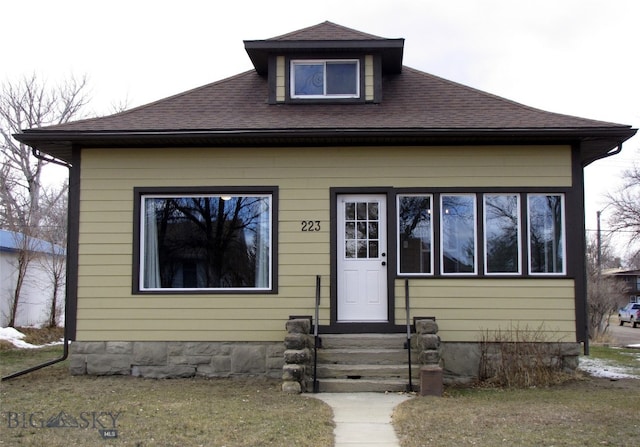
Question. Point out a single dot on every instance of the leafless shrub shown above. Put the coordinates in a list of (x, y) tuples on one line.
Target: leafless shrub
[(520, 357)]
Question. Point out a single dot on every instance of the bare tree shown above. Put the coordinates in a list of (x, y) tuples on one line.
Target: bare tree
[(54, 233), (605, 294), (29, 103), (625, 206)]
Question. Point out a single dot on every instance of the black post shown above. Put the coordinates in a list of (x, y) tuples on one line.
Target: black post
[(316, 339), (406, 303)]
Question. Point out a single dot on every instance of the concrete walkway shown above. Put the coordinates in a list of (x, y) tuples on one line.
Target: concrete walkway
[(363, 419)]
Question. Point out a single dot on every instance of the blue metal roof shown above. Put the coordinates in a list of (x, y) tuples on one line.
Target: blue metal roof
[(12, 241)]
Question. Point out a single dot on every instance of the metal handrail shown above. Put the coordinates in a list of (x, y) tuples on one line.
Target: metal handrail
[(408, 310), (316, 339)]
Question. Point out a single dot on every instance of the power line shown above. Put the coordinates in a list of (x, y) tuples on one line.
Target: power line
[(611, 231)]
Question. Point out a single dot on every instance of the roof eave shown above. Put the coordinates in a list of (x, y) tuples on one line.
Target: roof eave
[(595, 143), (391, 50)]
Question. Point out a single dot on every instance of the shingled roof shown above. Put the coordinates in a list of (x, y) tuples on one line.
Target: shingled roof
[(416, 108)]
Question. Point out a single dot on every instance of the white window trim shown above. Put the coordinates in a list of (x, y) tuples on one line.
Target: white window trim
[(141, 267), (563, 235), (323, 62), (475, 235), (484, 220), (398, 242)]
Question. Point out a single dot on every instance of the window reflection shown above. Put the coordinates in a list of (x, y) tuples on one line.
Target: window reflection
[(414, 225), (320, 78), (501, 230), (361, 230), (458, 233), (502, 233), (206, 242), (546, 235)]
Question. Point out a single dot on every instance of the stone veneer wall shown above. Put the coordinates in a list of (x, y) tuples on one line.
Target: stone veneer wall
[(177, 359), (297, 372), (461, 361)]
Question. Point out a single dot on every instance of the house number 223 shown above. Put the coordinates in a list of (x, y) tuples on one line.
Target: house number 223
[(310, 225)]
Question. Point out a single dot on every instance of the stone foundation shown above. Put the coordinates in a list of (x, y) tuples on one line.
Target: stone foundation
[(163, 360), (462, 362)]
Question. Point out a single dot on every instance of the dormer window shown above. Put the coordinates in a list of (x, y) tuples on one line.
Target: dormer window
[(318, 79)]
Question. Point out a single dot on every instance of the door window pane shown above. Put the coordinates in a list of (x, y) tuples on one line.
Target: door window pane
[(458, 228), (361, 230), (414, 234), (546, 233), (502, 233)]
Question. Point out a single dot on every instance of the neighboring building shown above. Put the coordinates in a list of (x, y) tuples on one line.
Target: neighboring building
[(203, 219), (631, 279), (34, 305)]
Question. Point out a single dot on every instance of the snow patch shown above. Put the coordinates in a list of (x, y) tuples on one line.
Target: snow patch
[(15, 337), (601, 368)]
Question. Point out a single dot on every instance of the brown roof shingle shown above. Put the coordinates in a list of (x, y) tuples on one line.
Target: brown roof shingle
[(327, 31), (417, 106), (412, 100)]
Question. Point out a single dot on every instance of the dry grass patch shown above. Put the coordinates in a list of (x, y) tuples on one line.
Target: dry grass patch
[(588, 412), (41, 336), (180, 412), (35, 336)]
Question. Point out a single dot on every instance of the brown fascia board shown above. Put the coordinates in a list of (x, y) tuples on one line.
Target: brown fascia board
[(391, 50), (595, 143)]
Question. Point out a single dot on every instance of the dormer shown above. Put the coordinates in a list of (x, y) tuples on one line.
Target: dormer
[(325, 63)]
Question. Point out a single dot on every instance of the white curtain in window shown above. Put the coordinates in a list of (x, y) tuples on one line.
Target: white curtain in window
[(151, 272), (262, 245)]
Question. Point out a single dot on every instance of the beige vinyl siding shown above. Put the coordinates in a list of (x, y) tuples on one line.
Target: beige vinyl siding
[(280, 77), (467, 308), (107, 310), (368, 78)]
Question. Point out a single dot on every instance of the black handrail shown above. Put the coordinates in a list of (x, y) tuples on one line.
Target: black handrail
[(407, 309), (316, 339)]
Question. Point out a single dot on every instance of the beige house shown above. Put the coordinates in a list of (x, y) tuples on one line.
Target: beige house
[(204, 219)]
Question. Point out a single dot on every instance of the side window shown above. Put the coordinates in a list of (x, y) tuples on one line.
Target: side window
[(458, 233), (502, 249), (205, 242), (546, 234), (325, 79), (415, 233)]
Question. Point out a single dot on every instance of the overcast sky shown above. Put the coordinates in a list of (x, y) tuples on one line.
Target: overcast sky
[(578, 57)]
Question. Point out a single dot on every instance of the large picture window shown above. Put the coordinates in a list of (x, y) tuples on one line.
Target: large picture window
[(458, 228), (205, 242), (502, 233), (546, 233), (325, 79), (415, 232)]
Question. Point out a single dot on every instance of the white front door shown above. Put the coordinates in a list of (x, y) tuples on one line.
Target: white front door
[(362, 261)]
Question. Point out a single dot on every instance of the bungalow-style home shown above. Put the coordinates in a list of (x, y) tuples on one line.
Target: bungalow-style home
[(36, 293), (329, 173)]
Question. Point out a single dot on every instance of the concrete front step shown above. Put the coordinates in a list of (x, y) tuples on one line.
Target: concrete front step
[(363, 341), (352, 363), (367, 371), (365, 385), (363, 356)]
